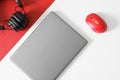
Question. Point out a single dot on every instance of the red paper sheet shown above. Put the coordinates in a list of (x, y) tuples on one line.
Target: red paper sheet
[(33, 10)]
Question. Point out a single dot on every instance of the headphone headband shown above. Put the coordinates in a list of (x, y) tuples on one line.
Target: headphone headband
[(19, 3)]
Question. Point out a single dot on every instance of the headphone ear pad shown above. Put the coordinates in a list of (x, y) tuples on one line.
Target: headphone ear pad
[(14, 24), (18, 21)]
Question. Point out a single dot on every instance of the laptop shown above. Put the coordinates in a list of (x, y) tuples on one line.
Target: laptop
[(49, 49)]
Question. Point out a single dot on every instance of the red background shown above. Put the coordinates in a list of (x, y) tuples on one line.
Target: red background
[(33, 10)]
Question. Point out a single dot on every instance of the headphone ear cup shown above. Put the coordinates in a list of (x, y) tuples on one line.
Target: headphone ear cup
[(18, 21), (14, 24), (20, 18)]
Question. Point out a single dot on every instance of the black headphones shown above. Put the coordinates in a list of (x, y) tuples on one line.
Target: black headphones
[(18, 20)]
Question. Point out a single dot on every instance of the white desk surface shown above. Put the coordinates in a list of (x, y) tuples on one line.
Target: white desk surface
[(99, 60)]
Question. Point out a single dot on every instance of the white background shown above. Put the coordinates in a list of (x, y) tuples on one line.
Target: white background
[(99, 60)]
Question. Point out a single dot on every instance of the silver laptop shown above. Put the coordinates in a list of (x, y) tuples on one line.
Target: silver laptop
[(49, 49)]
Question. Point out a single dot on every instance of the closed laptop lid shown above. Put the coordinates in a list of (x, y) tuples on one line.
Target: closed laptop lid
[(49, 49)]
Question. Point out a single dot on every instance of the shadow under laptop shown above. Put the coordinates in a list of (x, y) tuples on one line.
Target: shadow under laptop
[(76, 28)]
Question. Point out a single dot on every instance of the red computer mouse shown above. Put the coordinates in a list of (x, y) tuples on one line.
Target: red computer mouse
[(96, 23)]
